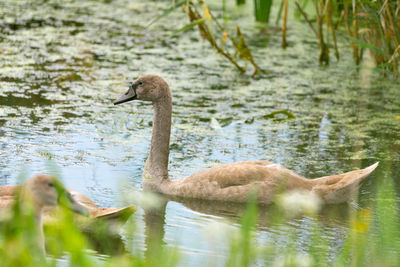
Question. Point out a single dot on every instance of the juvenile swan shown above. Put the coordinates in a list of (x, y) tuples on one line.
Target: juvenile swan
[(227, 182), (118, 215), (41, 191), (38, 193)]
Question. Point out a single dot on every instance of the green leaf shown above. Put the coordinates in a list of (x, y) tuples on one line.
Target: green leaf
[(189, 26), (167, 12), (361, 43)]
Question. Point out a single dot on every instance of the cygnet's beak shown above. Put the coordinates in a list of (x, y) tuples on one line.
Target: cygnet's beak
[(128, 96), (75, 206)]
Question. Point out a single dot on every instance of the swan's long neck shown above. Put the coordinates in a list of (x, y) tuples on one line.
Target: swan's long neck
[(39, 225), (27, 202), (156, 168)]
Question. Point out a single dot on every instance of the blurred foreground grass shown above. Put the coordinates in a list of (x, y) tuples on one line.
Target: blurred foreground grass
[(371, 239)]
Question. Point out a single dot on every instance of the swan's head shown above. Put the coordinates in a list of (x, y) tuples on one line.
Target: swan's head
[(147, 88), (45, 191)]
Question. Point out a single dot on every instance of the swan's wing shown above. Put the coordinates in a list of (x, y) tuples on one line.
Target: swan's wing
[(247, 172)]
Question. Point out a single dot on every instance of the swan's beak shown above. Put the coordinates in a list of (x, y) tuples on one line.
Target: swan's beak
[(75, 206), (128, 96)]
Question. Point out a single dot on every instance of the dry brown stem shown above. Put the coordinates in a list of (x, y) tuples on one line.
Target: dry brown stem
[(205, 33), (284, 23)]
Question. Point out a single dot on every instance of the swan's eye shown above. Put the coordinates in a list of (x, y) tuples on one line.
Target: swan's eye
[(140, 83), (50, 184)]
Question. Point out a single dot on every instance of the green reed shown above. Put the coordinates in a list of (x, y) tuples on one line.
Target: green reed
[(375, 25), (372, 26), (262, 10)]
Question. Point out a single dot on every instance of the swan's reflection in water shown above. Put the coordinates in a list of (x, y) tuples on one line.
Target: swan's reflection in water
[(160, 229), (271, 224)]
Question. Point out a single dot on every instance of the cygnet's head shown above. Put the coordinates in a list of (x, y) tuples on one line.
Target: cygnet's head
[(147, 88), (46, 191)]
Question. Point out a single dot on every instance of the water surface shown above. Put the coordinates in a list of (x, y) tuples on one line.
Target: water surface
[(63, 63)]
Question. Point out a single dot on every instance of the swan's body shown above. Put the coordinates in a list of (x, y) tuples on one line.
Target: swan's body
[(229, 182)]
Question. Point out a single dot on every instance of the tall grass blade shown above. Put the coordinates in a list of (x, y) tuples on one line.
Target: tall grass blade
[(167, 12), (262, 10), (363, 44), (189, 26)]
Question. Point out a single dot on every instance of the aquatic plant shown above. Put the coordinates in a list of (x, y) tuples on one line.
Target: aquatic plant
[(367, 25), (262, 10), (284, 5), (210, 30), (322, 10), (372, 25)]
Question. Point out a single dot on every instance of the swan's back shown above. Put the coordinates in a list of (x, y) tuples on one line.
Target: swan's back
[(235, 181)]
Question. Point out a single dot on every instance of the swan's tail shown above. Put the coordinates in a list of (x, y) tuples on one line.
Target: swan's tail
[(117, 215), (341, 187)]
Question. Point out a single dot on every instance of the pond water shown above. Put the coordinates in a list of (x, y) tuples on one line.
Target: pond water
[(62, 63)]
